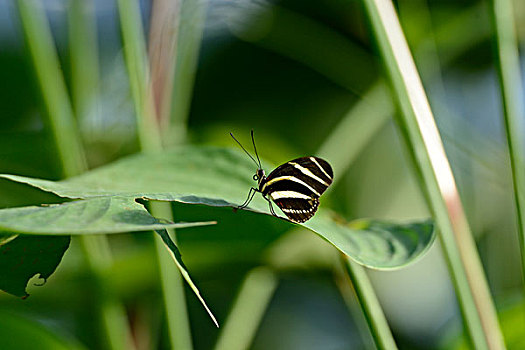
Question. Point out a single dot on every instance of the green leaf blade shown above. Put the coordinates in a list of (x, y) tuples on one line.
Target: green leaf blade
[(222, 177), (177, 258), (91, 216)]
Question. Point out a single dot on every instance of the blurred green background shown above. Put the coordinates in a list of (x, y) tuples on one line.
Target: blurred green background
[(296, 72)]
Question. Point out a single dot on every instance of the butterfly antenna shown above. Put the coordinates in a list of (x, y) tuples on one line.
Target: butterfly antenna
[(245, 151), (253, 141)]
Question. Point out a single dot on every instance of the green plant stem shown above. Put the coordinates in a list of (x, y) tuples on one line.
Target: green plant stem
[(138, 72), (375, 102), (346, 288), (191, 27), (62, 124), (83, 57), (112, 314), (421, 135), (164, 27), (370, 305), (53, 88), (513, 109), (179, 330), (150, 140), (248, 310)]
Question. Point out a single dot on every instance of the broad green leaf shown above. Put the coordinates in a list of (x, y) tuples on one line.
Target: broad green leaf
[(18, 332), (26, 256), (100, 215), (222, 177)]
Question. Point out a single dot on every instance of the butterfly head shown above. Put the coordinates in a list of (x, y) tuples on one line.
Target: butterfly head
[(259, 176)]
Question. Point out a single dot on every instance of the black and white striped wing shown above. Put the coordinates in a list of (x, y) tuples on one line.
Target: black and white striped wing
[(295, 186)]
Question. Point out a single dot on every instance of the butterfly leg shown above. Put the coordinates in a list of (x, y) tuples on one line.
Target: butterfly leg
[(248, 199), (271, 207), (273, 212)]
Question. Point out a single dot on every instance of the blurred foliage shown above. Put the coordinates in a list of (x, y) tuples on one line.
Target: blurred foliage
[(293, 94), (22, 333)]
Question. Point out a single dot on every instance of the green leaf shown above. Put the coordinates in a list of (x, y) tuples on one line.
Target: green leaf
[(25, 256), (222, 177), (91, 216), (387, 244), (21, 257), (18, 332)]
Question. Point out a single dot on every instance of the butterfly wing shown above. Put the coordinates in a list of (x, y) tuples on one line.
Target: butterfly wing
[(295, 186), (298, 210)]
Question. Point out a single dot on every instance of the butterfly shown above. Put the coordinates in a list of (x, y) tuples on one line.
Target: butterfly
[(295, 186)]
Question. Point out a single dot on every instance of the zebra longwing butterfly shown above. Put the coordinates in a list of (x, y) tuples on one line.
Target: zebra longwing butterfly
[(295, 186)]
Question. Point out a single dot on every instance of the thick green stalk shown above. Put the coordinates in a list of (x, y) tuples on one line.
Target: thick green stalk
[(248, 310), (62, 124), (422, 137), (150, 139), (370, 305), (513, 109)]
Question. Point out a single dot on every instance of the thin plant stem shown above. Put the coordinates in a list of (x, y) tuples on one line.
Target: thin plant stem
[(179, 329), (346, 288), (248, 310), (62, 124), (163, 35), (178, 325), (422, 137), (370, 305), (83, 51), (59, 113), (112, 313), (138, 72), (375, 102), (513, 109), (191, 27)]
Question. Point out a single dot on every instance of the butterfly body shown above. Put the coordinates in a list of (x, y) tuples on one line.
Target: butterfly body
[(295, 186)]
